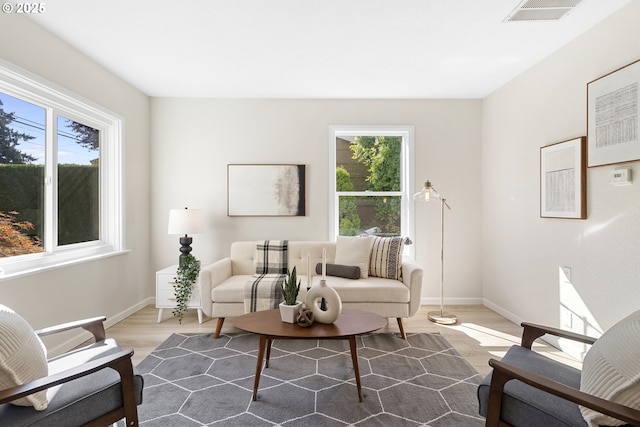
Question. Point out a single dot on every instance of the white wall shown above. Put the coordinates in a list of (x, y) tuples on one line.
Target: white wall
[(193, 140), (523, 252), (113, 286)]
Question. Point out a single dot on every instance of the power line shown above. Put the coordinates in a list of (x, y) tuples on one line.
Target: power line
[(67, 135)]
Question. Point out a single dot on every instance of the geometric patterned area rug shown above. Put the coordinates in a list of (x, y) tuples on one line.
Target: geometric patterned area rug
[(196, 380)]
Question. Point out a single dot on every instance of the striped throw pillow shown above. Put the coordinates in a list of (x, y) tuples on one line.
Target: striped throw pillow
[(386, 257)]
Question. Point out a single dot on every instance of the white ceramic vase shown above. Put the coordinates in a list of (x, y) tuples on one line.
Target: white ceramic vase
[(289, 313), (332, 300)]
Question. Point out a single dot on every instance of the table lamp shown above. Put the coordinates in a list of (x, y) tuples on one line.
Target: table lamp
[(185, 221)]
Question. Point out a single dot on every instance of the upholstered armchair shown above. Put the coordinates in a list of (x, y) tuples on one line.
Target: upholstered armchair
[(526, 388), (93, 385)]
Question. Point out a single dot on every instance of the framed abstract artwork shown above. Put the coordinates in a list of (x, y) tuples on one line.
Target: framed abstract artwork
[(613, 117), (265, 190), (563, 179)]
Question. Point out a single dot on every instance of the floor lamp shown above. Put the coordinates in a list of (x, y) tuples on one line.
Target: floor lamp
[(425, 195)]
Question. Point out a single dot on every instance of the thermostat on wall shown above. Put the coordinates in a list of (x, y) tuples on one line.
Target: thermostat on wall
[(621, 176)]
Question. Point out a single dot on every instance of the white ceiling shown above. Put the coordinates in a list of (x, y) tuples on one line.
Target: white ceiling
[(314, 48)]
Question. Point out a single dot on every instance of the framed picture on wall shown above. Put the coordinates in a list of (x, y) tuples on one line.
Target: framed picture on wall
[(563, 179), (613, 117), (265, 190)]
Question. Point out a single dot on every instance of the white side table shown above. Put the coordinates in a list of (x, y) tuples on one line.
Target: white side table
[(165, 298)]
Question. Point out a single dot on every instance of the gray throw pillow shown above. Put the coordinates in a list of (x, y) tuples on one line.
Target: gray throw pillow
[(338, 270)]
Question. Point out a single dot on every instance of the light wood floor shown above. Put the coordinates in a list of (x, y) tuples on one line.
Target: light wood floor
[(480, 334)]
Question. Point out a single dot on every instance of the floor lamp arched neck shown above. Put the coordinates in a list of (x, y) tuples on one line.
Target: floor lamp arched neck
[(425, 195)]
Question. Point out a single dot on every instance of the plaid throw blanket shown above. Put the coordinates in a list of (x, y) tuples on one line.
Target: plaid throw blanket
[(271, 257), (263, 291)]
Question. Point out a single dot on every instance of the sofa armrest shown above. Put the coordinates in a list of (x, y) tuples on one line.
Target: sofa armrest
[(532, 332), (210, 277), (412, 278), (94, 325), (503, 372)]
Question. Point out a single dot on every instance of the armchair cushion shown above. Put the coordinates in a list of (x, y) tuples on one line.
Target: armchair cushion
[(527, 406), (611, 369), (22, 357)]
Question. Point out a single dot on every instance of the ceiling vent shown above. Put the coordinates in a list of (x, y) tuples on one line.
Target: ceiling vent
[(541, 10)]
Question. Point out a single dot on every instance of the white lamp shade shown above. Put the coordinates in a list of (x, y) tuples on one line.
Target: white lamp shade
[(185, 221)]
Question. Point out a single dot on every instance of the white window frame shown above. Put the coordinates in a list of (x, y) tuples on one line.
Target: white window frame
[(407, 215), (56, 101)]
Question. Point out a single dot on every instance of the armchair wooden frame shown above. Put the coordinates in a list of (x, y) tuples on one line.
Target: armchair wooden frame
[(120, 362), (502, 373)]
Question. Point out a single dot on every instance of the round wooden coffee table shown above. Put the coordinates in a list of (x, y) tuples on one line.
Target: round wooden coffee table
[(268, 325)]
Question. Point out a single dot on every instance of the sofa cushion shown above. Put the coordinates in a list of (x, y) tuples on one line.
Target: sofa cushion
[(374, 289), (386, 257), (611, 369), (22, 357), (354, 251), (527, 406)]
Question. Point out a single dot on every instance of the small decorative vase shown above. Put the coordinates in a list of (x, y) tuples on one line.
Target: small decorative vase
[(289, 313), (333, 304)]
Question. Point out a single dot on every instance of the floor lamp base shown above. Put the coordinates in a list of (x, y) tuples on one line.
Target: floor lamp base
[(442, 317)]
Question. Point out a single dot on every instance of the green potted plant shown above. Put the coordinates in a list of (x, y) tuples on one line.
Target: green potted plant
[(290, 307), (186, 277)]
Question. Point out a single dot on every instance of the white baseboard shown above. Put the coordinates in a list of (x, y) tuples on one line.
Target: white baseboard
[(451, 301), (128, 312), (502, 312), (82, 336)]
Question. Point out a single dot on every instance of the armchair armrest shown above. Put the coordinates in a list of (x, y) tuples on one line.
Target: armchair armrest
[(503, 372), (120, 361), (94, 325), (532, 332)]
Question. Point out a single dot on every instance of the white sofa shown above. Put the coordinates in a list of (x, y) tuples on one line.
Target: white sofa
[(222, 283)]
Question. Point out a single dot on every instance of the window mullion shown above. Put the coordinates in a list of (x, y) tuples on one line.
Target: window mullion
[(369, 193), (50, 180)]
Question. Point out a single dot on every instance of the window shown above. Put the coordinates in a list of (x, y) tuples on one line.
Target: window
[(371, 180), (60, 179)]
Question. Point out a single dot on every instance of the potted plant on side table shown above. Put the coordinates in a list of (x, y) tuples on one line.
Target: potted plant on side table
[(290, 307), (186, 277)]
